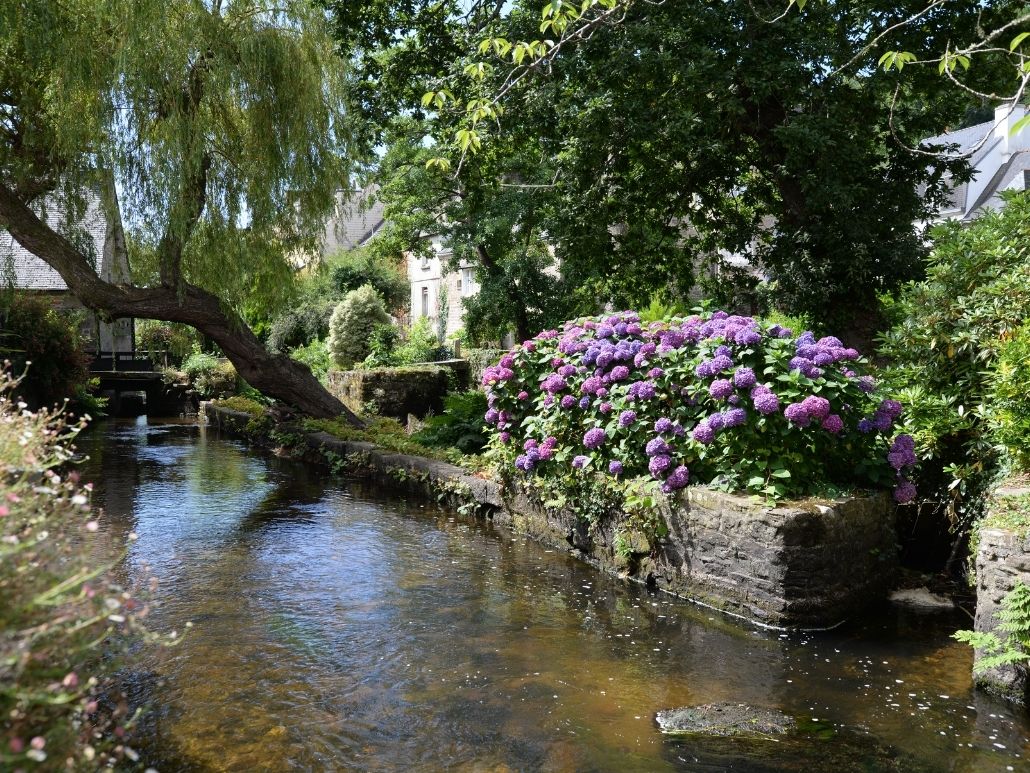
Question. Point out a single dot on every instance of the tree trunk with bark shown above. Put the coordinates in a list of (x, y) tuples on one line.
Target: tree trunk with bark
[(275, 375)]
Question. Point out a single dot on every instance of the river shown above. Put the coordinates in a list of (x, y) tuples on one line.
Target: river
[(339, 626)]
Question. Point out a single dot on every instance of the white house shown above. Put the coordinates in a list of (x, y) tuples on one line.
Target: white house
[(436, 290), (1000, 160), (105, 241)]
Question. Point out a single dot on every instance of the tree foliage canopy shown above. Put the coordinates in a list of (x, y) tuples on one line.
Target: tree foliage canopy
[(654, 144)]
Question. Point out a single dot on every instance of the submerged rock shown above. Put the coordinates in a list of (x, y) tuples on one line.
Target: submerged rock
[(725, 719), (923, 598), (736, 736)]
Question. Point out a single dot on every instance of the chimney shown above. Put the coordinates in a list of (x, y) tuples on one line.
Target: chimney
[(1005, 118)]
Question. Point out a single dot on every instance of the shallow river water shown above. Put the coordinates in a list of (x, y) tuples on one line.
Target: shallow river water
[(337, 626)]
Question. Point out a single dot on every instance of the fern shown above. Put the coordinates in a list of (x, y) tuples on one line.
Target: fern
[(1014, 646)]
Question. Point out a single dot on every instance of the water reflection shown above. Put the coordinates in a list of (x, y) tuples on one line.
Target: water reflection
[(340, 627)]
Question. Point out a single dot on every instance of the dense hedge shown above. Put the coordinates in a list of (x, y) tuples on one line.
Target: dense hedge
[(714, 398)]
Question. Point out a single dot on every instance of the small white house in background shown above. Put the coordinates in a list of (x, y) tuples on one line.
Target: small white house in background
[(103, 237), (436, 290), (1000, 162)]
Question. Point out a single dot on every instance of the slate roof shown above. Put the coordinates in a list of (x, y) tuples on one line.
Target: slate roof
[(1011, 175), (22, 270), (359, 216)]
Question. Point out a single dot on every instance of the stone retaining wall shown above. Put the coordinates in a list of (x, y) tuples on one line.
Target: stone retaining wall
[(1002, 560), (801, 565), (397, 392)]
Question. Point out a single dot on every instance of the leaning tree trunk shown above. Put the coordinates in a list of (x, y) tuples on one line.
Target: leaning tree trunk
[(275, 375)]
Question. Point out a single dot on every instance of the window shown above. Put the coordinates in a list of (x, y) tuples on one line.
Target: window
[(466, 284), (459, 286), (425, 263), (425, 301)]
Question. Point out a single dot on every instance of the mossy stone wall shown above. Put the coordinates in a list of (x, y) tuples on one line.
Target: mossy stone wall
[(397, 392)]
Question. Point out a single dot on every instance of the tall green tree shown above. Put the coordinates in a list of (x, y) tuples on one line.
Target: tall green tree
[(222, 124), (646, 148)]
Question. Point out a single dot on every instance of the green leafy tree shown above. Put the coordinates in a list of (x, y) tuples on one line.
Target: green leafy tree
[(353, 323), (717, 130), (223, 124)]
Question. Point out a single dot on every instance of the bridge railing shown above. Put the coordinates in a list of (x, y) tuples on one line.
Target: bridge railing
[(138, 361)]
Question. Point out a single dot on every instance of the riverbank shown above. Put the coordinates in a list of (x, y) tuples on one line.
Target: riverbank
[(801, 565)]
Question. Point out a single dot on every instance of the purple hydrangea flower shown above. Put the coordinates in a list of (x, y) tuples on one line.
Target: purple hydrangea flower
[(594, 438), (657, 446), (744, 377), (720, 362), (796, 414), (766, 402), (663, 425), (523, 395), (659, 464), (523, 462), (627, 417), (491, 416), (505, 437), (816, 407), (747, 337), (568, 401), (703, 433), (605, 408), (891, 408), (584, 402), (678, 478), (882, 421), (567, 370), (715, 421), (867, 384), (615, 468), (553, 383), (865, 426), (591, 385), (619, 372), (833, 424), (655, 373), (721, 388), (530, 443), (734, 417), (905, 492), (579, 462)]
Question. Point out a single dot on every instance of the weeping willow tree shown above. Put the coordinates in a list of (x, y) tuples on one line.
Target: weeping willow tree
[(219, 123)]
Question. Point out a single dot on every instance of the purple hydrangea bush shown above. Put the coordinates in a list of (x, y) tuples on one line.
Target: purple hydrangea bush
[(714, 398)]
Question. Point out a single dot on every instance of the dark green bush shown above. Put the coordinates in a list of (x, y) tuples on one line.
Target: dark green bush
[(944, 346), (301, 325), (1008, 399), (459, 426), (348, 271), (33, 331)]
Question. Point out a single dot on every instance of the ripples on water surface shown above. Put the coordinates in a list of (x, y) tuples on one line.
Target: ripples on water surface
[(344, 627)]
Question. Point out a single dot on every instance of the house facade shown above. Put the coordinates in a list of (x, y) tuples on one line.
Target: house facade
[(104, 239), (1000, 160), (436, 290)]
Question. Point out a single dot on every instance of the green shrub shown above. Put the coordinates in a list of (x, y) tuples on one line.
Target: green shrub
[(65, 621), (381, 345), (943, 346), (33, 331), (167, 343), (316, 356), (211, 377), (352, 325), (420, 345), (1008, 398), (459, 426)]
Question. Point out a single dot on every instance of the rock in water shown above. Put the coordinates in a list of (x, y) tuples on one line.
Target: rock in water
[(921, 597), (725, 719)]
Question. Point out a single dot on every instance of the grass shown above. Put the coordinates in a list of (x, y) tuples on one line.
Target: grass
[(241, 404), (389, 434)]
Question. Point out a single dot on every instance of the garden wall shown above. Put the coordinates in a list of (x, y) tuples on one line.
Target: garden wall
[(397, 392), (801, 565), (805, 565), (1002, 560)]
